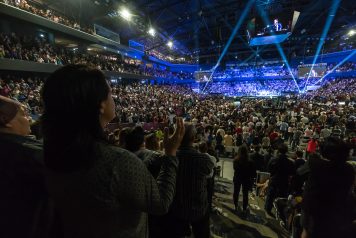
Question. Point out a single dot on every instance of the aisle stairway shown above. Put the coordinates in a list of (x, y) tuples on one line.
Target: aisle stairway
[(228, 223)]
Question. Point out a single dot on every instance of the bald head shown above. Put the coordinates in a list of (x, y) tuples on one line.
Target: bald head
[(14, 118), (8, 110)]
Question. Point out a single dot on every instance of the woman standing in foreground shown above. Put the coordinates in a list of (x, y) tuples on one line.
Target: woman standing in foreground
[(99, 190), (244, 173)]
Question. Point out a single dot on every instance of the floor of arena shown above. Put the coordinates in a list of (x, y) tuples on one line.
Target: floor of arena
[(227, 223)]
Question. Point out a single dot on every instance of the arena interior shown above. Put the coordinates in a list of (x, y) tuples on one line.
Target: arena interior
[(177, 118)]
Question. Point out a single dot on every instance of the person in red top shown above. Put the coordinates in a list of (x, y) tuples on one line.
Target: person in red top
[(312, 146), (273, 136), (238, 130)]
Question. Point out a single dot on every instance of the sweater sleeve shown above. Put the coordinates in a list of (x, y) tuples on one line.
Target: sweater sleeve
[(137, 189)]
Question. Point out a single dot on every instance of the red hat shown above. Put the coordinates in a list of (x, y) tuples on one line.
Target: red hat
[(8, 110)]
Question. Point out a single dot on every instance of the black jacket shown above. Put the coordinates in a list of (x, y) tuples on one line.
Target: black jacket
[(25, 208), (190, 202), (244, 172), (281, 170), (327, 199)]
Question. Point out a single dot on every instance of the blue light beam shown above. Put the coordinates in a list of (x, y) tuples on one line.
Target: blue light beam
[(337, 66), (329, 20), (232, 36)]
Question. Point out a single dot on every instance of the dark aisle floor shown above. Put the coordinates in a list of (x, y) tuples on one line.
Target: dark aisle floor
[(227, 223)]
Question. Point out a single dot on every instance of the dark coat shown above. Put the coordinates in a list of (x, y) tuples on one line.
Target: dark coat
[(25, 207)]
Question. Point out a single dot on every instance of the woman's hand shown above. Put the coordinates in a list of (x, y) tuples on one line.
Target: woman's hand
[(172, 143)]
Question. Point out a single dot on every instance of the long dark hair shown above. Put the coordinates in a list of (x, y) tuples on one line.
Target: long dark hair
[(242, 154), (72, 98)]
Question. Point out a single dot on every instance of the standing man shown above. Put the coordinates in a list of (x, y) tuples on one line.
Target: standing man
[(190, 204), (281, 169)]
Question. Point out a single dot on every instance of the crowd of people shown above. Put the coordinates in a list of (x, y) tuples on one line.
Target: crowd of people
[(171, 59), (253, 87), (47, 13), (50, 14), (267, 133), (82, 156), (39, 49), (249, 71)]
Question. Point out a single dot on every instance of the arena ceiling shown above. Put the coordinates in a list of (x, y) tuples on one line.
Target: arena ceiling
[(201, 28)]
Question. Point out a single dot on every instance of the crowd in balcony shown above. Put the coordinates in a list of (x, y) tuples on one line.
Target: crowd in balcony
[(168, 58), (39, 49), (48, 14)]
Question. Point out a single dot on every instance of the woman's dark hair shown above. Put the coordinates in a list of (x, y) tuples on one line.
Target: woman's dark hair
[(242, 153), (135, 138), (335, 149), (72, 98)]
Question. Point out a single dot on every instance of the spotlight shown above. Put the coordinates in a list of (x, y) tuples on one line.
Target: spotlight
[(352, 32), (126, 14), (170, 44), (152, 31), (42, 36)]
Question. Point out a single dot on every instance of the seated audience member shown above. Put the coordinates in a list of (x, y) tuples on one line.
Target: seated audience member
[(328, 203), (190, 204), (25, 208), (99, 190)]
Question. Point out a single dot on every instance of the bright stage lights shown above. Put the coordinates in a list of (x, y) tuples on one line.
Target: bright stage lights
[(152, 31), (126, 14), (352, 32), (170, 44), (333, 9), (232, 36)]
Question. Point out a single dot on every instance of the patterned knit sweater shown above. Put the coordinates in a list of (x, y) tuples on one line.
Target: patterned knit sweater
[(112, 198)]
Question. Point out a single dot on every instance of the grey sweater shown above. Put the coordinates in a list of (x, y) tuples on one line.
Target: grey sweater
[(112, 198)]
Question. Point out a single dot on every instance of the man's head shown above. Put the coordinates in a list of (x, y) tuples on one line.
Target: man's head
[(335, 149), (135, 139), (203, 147), (283, 149), (299, 154), (276, 21), (189, 135), (13, 117)]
